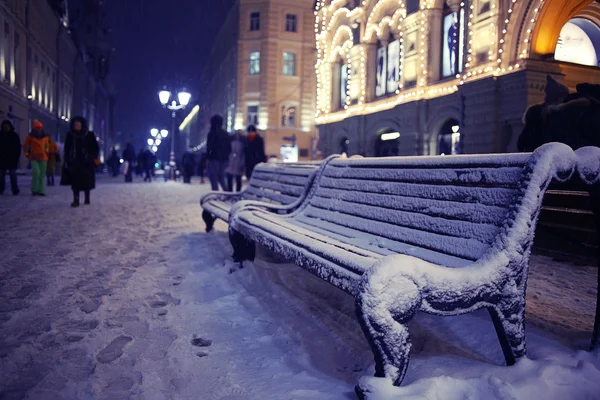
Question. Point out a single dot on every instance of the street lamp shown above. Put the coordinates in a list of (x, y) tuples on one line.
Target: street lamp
[(150, 142), (153, 132), (184, 99), (164, 133)]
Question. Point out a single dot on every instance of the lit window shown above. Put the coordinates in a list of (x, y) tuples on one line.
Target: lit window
[(252, 115), (289, 64), (454, 41), (254, 62), (343, 84), (291, 23), (288, 116), (255, 21)]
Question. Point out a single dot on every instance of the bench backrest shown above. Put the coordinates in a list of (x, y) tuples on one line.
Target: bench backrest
[(280, 183), (443, 209)]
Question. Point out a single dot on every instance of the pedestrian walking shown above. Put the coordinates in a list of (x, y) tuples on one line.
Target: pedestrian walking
[(147, 164), (129, 159), (218, 147), (81, 149), (255, 150), (10, 152), (53, 158), (36, 148), (114, 162), (237, 161), (188, 166)]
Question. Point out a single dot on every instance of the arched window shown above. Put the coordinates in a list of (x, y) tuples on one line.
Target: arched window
[(343, 88), (449, 138), (453, 41), (344, 145), (579, 43), (388, 143), (387, 67)]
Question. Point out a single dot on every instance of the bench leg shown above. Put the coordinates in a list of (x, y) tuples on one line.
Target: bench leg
[(383, 316), (243, 249), (509, 320), (209, 220)]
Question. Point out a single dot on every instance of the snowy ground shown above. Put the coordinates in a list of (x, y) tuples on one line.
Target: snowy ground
[(121, 299)]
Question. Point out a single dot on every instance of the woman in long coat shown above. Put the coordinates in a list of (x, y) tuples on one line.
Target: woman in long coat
[(81, 149)]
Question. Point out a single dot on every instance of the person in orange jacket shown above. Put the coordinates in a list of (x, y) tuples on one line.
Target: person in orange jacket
[(53, 158), (37, 148)]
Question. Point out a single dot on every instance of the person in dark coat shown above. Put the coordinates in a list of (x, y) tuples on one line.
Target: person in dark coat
[(255, 150), (81, 149), (189, 163), (10, 152), (129, 157), (147, 164), (114, 162), (218, 147)]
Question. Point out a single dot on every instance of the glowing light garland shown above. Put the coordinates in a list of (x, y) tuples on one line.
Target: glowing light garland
[(328, 16)]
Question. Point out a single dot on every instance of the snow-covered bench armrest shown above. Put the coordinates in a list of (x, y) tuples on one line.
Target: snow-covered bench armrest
[(220, 196), (588, 164)]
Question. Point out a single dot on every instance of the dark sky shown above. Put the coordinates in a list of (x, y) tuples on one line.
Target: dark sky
[(158, 43)]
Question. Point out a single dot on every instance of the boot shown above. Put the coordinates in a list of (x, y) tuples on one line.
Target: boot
[(75, 202), (87, 197)]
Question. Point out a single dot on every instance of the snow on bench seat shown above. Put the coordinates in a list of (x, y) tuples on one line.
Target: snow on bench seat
[(444, 235), (274, 183)]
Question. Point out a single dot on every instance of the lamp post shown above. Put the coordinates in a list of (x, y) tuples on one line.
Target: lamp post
[(156, 138), (184, 98)]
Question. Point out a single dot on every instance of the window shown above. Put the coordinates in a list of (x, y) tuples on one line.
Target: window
[(412, 6), (288, 116), (254, 62), (6, 56), (289, 64), (387, 68), (453, 41), (343, 84), (252, 115), (304, 153), (291, 23), (255, 21), (17, 63)]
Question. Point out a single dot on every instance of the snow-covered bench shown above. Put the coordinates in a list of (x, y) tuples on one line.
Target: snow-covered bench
[(444, 235), (275, 183)]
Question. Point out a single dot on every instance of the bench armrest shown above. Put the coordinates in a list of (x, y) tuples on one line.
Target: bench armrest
[(588, 164), (259, 205)]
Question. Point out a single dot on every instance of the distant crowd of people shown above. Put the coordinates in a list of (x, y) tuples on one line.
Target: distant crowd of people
[(81, 152), (142, 164), (226, 159), (230, 157)]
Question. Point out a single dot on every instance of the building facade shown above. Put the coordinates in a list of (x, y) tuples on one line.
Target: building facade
[(49, 73), (413, 77), (261, 72)]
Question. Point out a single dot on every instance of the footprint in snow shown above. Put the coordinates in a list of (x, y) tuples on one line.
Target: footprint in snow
[(158, 304), (114, 349), (201, 342)]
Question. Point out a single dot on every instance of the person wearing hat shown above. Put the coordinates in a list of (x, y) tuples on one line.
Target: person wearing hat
[(37, 148)]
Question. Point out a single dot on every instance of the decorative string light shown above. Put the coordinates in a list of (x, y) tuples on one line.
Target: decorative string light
[(333, 33)]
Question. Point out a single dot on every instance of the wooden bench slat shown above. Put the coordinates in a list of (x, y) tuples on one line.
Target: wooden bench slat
[(290, 190), (472, 212), (373, 242), (271, 196), (295, 180), (484, 233), (470, 249), (480, 177), (459, 194)]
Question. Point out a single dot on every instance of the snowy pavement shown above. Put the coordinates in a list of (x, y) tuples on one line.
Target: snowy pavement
[(129, 299)]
